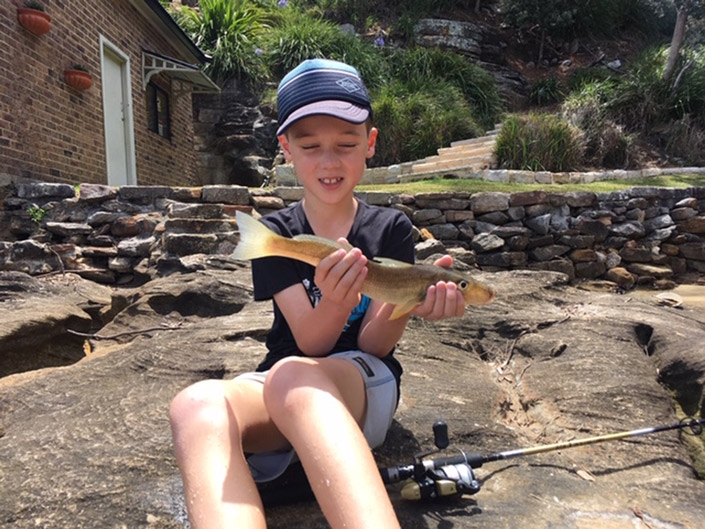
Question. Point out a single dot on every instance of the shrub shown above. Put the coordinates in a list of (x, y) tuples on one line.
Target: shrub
[(423, 66), (298, 37), (415, 122), (228, 30), (580, 77), (685, 140), (538, 142), (546, 92), (605, 143), (639, 99), (688, 92)]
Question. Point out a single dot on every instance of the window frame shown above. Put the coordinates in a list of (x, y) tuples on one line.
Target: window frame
[(158, 121)]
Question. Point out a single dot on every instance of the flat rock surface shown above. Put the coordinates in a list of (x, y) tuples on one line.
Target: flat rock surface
[(88, 444)]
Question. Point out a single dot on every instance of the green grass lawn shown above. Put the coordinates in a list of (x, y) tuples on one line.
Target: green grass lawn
[(476, 186)]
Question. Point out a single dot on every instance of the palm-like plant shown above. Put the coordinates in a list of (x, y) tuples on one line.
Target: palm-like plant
[(228, 31)]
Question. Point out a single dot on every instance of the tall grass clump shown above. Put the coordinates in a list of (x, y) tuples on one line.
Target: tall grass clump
[(639, 99), (538, 142), (298, 36), (546, 92), (685, 140), (414, 123), (605, 143), (426, 66), (688, 92), (668, 114), (228, 31)]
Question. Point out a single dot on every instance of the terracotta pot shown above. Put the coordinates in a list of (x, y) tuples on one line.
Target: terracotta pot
[(33, 20), (78, 79)]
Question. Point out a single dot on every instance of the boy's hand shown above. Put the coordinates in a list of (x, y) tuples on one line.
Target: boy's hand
[(340, 275), (443, 300)]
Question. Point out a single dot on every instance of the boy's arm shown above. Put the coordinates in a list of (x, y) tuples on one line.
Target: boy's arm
[(339, 277)]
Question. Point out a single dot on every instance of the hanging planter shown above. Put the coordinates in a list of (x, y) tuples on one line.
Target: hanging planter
[(33, 18), (78, 77)]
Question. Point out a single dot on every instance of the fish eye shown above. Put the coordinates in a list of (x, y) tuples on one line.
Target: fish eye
[(462, 285)]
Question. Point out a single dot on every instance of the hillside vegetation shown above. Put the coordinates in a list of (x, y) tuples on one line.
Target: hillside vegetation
[(650, 107)]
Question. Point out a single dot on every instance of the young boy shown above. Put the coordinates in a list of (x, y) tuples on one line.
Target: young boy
[(329, 384)]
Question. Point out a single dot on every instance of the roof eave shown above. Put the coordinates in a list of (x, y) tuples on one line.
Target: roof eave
[(153, 11)]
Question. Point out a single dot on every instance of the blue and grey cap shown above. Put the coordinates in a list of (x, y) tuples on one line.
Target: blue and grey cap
[(322, 86)]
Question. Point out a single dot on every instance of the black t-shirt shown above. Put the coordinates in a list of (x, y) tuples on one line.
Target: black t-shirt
[(376, 231)]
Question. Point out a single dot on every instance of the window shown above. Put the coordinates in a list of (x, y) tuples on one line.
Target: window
[(158, 117)]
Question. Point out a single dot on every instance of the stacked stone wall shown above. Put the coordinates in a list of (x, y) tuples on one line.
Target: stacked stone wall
[(116, 236)]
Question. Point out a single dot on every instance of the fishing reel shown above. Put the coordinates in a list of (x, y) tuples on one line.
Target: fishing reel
[(430, 479)]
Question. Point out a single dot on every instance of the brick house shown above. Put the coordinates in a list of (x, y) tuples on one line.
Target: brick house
[(133, 126)]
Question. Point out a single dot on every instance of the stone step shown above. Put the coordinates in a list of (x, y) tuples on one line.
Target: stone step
[(480, 162), (178, 210), (455, 154), (484, 143), (460, 159), (200, 225), (490, 136)]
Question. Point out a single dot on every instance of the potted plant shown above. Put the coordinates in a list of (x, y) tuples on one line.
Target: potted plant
[(33, 18), (78, 77)]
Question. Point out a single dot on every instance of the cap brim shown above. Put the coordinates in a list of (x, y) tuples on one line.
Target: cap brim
[(338, 109)]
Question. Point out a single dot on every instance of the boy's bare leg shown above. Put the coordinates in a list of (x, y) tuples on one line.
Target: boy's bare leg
[(317, 404), (208, 422)]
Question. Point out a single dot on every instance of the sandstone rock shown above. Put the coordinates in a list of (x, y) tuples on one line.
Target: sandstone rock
[(693, 225), (88, 445), (693, 250), (145, 194), (226, 194), (658, 272), (444, 232), (622, 277), (486, 242), (429, 247), (489, 201)]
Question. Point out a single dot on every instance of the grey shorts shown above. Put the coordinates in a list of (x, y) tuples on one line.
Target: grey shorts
[(382, 399)]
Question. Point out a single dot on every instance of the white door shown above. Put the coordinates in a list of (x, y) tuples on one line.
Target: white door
[(117, 117)]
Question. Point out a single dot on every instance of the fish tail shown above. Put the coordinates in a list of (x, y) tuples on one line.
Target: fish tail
[(255, 238)]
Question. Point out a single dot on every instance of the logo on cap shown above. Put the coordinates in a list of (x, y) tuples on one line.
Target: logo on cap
[(348, 85)]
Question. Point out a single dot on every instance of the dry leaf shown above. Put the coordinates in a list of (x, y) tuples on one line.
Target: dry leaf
[(585, 474)]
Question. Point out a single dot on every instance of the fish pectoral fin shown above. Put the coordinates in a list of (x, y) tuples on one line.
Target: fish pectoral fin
[(386, 261), (403, 310)]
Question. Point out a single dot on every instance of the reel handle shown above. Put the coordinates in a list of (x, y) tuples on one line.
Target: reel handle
[(440, 435)]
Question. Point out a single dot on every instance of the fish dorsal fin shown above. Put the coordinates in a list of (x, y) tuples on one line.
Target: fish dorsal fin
[(386, 261), (315, 238)]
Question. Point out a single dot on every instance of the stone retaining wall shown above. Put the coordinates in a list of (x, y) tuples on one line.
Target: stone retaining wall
[(126, 235)]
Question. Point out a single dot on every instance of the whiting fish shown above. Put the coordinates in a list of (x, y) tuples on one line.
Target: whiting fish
[(401, 284)]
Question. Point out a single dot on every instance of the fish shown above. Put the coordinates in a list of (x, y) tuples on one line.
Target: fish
[(390, 281)]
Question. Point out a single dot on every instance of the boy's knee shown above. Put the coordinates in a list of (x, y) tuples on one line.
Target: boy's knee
[(202, 404), (289, 384)]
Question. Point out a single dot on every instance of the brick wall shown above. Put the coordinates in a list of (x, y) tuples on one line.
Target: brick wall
[(51, 132)]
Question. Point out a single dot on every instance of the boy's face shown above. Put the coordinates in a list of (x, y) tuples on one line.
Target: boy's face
[(329, 154)]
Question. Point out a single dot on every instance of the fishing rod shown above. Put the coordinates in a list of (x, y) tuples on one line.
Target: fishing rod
[(453, 476)]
